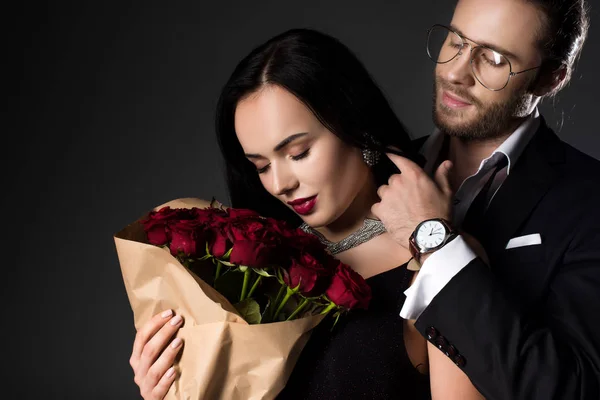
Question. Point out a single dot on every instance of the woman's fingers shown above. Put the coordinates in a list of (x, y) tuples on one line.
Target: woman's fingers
[(155, 346), (145, 334), (158, 373), (161, 389), (153, 355)]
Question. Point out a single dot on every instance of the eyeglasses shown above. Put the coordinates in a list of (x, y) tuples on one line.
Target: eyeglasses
[(492, 69)]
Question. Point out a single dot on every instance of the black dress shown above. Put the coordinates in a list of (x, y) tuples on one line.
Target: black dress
[(364, 357)]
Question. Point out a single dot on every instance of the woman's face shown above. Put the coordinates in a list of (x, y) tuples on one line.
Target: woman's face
[(298, 160)]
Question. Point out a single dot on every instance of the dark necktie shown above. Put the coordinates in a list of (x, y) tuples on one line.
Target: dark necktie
[(473, 219)]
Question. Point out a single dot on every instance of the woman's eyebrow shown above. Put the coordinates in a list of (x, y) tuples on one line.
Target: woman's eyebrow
[(281, 144)]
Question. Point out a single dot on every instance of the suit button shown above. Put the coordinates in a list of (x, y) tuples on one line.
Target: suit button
[(431, 333), (460, 360), (451, 351), (441, 343)]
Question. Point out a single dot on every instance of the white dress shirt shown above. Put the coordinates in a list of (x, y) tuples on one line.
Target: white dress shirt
[(442, 265)]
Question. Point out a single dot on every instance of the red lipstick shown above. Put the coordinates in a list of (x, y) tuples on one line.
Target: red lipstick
[(303, 206)]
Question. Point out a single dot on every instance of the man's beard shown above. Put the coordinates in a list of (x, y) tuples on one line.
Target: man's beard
[(493, 120)]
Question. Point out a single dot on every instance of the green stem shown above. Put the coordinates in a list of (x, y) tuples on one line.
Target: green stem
[(330, 307), (255, 285), (245, 284), (298, 309), (276, 301), (218, 272), (288, 294)]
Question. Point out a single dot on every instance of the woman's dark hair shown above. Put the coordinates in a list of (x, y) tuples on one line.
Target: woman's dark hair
[(330, 80), (565, 28)]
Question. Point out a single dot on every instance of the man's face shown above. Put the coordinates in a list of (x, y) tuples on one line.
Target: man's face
[(462, 106)]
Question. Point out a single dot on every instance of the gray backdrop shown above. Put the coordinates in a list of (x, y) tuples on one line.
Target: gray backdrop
[(115, 116)]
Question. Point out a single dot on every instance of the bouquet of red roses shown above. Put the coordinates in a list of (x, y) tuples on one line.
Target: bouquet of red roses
[(250, 290)]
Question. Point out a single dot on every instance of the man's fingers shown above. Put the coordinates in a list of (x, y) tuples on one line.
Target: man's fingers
[(442, 177), (146, 333), (381, 190), (375, 209), (404, 164)]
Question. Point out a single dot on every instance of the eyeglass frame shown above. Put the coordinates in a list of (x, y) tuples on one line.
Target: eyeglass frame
[(459, 53)]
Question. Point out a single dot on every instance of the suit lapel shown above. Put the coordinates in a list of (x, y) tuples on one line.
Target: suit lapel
[(419, 142), (527, 183)]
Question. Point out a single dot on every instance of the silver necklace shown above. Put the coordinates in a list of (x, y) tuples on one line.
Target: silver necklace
[(370, 229)]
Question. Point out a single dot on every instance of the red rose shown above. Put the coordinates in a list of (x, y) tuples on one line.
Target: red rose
[(225, 231), (253, 253), (235, 231), (213, 217), (216, 221), (241, 213), (348, 289), (249, 226), (300, 240), (280, 227), (155, 225), (308, 272), (157, 233), (218, 243), (187, 236)]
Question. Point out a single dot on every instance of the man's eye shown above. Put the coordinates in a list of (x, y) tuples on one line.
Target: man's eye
[(301, 155)]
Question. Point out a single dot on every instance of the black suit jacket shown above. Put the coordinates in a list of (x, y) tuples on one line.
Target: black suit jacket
[(528, 326)]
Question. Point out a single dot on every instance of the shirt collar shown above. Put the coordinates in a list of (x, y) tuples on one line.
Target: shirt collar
[(512, 147)]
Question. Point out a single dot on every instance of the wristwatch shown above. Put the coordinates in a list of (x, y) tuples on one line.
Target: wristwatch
[(430, 235)]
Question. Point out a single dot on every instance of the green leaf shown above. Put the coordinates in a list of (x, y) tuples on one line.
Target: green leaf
[(262, 272), (227, 263), (229, 284), (280, 276), (226, 255), (242, 268), (249, 310), (337, 318)]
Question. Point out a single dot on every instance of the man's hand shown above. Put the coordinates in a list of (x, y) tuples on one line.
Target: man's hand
[(411, 197)]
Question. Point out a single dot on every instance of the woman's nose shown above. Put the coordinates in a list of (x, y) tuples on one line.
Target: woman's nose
[(284, 180)]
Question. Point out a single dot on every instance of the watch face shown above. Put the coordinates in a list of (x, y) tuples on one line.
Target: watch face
[(430, 235)]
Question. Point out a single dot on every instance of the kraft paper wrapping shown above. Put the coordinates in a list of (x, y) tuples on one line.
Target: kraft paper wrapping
[(223, 356)]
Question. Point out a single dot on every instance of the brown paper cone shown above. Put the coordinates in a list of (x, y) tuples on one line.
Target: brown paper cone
[(223, 356)]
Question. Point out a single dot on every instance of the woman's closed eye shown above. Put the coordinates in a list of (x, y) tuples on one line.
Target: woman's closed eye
[(262, 170), (301, 155), (296, 157)]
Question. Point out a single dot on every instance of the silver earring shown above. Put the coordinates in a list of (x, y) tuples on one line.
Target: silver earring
[(370, 157)]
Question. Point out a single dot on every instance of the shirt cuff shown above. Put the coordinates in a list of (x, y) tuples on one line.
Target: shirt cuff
[(437, 270)]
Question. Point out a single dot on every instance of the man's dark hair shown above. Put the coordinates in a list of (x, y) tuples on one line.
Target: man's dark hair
[(565, 28)]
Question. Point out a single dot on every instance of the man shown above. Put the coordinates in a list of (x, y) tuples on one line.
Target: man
[(524, 323)]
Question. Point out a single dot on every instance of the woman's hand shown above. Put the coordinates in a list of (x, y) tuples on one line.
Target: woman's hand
[(154, 354)]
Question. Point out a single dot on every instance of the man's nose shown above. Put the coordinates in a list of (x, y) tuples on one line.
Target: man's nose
[(458, 71)]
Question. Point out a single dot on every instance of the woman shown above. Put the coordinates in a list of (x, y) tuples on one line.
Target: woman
[(302, 127)]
